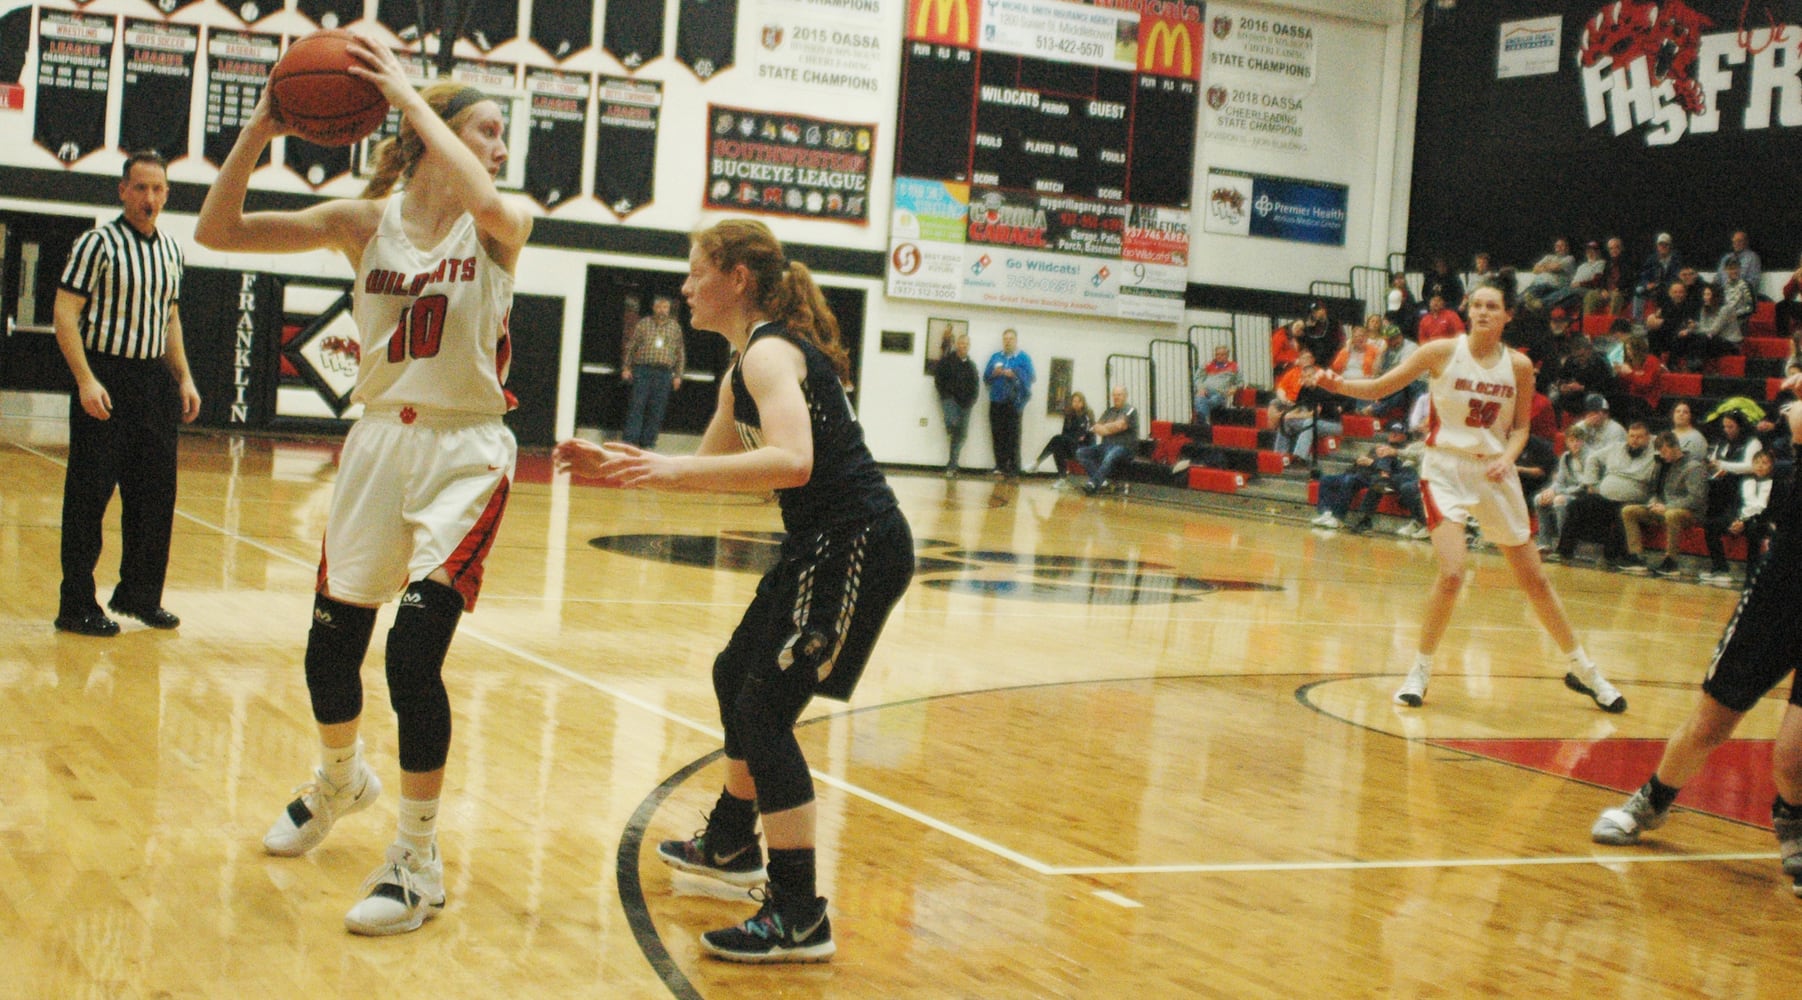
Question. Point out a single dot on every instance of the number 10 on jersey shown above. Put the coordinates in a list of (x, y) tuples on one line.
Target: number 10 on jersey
[(420, 332)]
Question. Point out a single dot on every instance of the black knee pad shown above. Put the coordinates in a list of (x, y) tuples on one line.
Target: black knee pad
[(417, 643), (336, 645)]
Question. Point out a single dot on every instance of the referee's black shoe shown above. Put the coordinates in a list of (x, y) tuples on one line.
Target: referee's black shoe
[(153, 617), (93, 623)]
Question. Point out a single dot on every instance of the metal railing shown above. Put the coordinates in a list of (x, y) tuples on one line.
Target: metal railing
[(1135, 373), (1172, 381)]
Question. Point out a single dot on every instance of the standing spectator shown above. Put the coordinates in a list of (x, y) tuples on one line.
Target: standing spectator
[(1657, 273), (1569, 476), (1683, 424), (1215, 387), (1478, 385), (783, 424), (1552, 274), (1118, 430), (1615, 288), (1437, 323), (1400, 307), (1442, 282), (652, 361), (1619, 475), (118, 324), (1009, 376), (1679, 499), (955, 379), (1751, 268), (424, 476), (1640, 372), (1079, 422)]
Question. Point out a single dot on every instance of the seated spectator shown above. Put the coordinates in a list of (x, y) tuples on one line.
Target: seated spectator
[(1401, 308), (1740, 254), (1613, 292), (1596, 428), (1588, 276), (1312, 412), (1618, 475), (1776, 443), (1440, 281), (1745, 518), (1398, 475), (1561, 338), (1396, 350), (1656, 274), (1569, 474), (1215, 386), (1683, 424), (1437, 323), (1482, 272), (1671, 316), (1362, 355), (1118, 430), (1285, 344), (1543, 421), (1373, 472), (1679, 499), (1739, 294), (1579, 375), (1534, 466), (1551, 281), (1061, 449), (1717, 332), (1789, 311), (1639, 373)]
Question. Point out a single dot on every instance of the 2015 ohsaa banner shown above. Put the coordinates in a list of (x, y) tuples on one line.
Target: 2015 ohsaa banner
[(783, 164)]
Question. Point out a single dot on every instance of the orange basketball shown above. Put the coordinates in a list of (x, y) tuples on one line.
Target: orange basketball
[(312, 92)]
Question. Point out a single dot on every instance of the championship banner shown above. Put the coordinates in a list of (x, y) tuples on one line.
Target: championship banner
[(1280, 208), (627, 112), (252, 11), (564, 28), (785, 164), (559, 103), (75, 56), (331, 13), (706, 35), (238, 66), (834, 47), (1256, 117), (158, 88), (632, 31), (1254, 45)]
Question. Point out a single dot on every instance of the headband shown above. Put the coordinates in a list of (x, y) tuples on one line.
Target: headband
[(460, 100)]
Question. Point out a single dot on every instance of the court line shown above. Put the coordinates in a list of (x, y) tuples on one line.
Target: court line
[(974, 840)]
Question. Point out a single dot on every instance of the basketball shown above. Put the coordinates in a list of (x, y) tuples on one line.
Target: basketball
[(312, 91)]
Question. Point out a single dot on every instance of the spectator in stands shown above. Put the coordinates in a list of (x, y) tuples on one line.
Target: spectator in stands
[(1538, 459), (1337, 490), (1679, 499), (1437, 323), (1589, 274), (1639, 373), (1401, 308), (954, 376), (1552, 274), (1789, 311), (1672, 315), (1775, 438), (1612, 291), (1657, 273), (1716, 332), (1543, 421), (1561, 334), (1569, 475), (1683, 424), (1078, 423), (1285, 345), (1320, 334), (1442, 282), (1738, 297), (1596, 428), (1396, 349), (1619, 475), (1118, 430), (1577, 376), (1009, 375), (1301, 411), (1362, 355), (1216, 385), (1729, 461), (1751, 268), (1746, 518)]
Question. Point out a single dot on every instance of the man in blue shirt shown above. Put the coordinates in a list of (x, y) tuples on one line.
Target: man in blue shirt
[(1009, 376)]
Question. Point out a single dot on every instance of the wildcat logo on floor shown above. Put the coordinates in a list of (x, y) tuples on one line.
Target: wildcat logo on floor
[(946, 566)]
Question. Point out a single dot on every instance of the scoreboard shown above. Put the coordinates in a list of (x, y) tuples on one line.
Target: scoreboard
[(1045, 154)]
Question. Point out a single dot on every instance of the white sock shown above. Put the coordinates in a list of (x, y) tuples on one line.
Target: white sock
[(340, 763), (1579, 659), (418, 825), (1423, 660)]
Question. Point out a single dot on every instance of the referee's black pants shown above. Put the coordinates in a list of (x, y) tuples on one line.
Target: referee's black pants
[(133, 451)]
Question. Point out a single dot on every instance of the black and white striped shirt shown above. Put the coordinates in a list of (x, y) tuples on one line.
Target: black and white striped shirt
[(131, 283)]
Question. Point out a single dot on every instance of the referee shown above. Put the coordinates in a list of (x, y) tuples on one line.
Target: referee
[(119, 329)]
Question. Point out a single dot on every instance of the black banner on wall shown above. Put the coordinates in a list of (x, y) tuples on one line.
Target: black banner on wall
[(1592, 118), (633, 31), (706, 35), (232, 323), (252, 11), (169, 7), (332, 13), (75, 54), (317, 165), (626, 166), (408, 19), (559, 124), (238, 66), (159, 86), (758, 161), (564, 28)]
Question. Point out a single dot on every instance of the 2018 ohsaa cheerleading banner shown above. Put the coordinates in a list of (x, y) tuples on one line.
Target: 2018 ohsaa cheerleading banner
[(783, 164)]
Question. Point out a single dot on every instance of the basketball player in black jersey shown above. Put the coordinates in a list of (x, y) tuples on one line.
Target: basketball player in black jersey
[(1756, 652), (782, 423)]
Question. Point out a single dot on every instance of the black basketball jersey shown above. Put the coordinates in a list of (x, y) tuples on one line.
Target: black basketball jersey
[(633, 31), (846, 485), (706, 35), (252, 11), (559, 103), (332, 13), (563, 28)]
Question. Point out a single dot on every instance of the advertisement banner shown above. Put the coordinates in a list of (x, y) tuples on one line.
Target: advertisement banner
[(1529, 48), (826, 46), (1278, 208), (1062, 32), (783, 164)]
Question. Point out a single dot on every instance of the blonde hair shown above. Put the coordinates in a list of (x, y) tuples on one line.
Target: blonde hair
[(782, 289), (398, 156)]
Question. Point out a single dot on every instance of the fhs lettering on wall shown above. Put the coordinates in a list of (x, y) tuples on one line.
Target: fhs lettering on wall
[(785, 164), (1663, 69)]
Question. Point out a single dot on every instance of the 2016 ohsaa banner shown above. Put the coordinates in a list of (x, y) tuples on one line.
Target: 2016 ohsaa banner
[(783, 164)]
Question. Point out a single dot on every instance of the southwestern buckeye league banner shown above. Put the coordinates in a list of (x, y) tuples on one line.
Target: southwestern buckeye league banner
[(783, 164)]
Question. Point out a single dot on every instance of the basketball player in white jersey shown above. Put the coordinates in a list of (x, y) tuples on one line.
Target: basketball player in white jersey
[(424, 475), (1479, 418)]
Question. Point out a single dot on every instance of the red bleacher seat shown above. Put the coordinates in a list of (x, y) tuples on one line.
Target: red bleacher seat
[(1313, 492), (1327, 444), (1681, 383), (1246, 397), (1360, 426), (1772, 386), (1263, 419), (1764, 320), (1168, 449), (1235, 437), (1766, 347), (1216, 480), (1272, 463), (1731, 364), (1160, 429), (1596, 324)]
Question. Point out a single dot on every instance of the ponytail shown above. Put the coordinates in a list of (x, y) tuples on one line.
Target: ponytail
[(397, 156)]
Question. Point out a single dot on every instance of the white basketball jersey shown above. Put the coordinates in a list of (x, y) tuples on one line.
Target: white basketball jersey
[(1473, 404), (432, 324)]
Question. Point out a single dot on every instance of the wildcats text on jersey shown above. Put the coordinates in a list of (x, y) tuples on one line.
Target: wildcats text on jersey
[(1496, 389), (450, 269)]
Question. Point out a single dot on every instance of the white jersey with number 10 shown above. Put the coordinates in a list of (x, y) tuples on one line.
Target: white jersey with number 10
[(432, 323), (1473, 403)]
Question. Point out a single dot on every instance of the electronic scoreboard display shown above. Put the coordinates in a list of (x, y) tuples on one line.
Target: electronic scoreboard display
[(1045, 154)]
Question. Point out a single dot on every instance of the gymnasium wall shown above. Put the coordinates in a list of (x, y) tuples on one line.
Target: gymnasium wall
[(1342, 126)]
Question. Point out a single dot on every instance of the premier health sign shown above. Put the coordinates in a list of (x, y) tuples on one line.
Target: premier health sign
[(1278, 208)]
